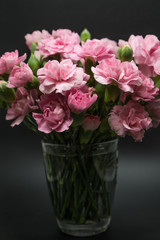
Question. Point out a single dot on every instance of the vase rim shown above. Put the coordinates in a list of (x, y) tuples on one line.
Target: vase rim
[(94, 144)]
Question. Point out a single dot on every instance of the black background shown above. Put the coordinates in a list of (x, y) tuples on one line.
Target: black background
[(25, 209)]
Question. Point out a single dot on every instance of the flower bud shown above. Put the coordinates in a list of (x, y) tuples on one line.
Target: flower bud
[(7, 95), (33, 47), (126, 53), (85, 34), (33, 63)]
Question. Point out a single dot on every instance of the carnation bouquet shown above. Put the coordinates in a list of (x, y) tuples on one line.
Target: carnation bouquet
[(76, 92)]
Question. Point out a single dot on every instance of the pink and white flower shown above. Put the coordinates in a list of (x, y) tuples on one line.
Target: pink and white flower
[(61, 77), (9, 60), (107, 71), (131, 119), (20, 76), (55, 114), (146, 91), (98, 49), (128, 76), (79, 101), (146, 53), (62, 41), (22, 105), (91, 122), (125, 74), (36, 37)]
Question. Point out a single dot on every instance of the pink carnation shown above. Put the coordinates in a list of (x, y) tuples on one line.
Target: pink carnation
[(146, 91), (36, 37), (79, 101), (107, 71), (154, 111), (62, 41), (9, 60), (55, 114), (125, 74), (61, 77), (91, 122), (98, 49), (20, 76), (146, 53), (128, 76), (23, 104), (131, 119)]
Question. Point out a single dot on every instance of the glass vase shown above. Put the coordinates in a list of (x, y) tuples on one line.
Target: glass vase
[(82, 181)]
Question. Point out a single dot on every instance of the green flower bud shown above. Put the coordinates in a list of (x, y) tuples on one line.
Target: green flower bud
[(7, 95), (85, 34), (33, 63), (126, 53)]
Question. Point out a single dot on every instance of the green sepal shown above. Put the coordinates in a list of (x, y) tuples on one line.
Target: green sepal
[(156, 81), (111, 93), (34, 84), (33, 47), (88, 64), (79, 64), (100, 89), (85, 35), (7, 95)]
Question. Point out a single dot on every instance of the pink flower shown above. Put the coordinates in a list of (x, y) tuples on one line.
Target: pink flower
[(36, 37), (128, 76), (79, 101), (62, 41), (146, 91), (55, 114), (61, 77), (9, 60), (107, 71), (23, 104), (91, 122), (122, 43), (20, 76), (131, 119), (125, 74), (154, 111), (146, 53), (98, 49)]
